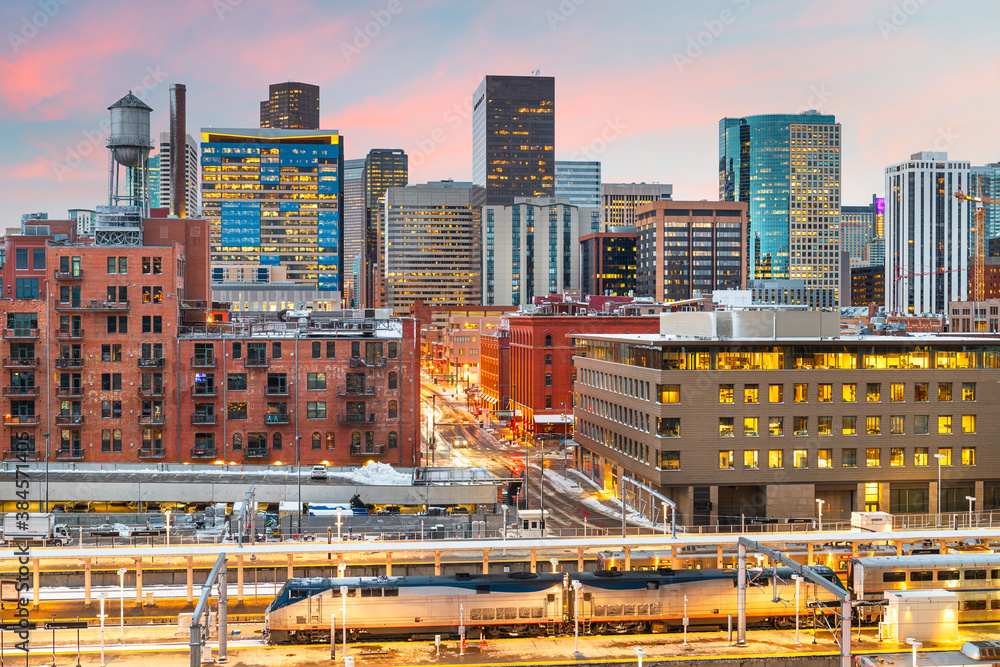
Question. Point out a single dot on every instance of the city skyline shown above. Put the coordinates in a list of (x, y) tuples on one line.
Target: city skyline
[(384, 88)]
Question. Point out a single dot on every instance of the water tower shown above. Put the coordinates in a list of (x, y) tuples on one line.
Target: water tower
[(120, 222)]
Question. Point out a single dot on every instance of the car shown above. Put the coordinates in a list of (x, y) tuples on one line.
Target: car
[(318, 473), (459, 443)]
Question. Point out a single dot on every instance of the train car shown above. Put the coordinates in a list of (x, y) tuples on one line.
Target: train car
[(974, 577), (518, 604), (644, 601)]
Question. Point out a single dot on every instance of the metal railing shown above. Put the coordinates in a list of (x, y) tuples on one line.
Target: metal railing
[(20, 332), (197, 419), (69, 392), (70, 420), (72, 333), (355, 419), (344, 390), (68, 275), (151, 362), (203, 362), (20, 420), (20, 390), (69, 362), (20, 362)]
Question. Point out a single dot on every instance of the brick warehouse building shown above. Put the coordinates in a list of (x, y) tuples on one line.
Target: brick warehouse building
[(541, 360), (761, 414), (114, 359)]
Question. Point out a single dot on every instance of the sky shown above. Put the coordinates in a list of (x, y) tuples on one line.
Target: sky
[(640, 85)]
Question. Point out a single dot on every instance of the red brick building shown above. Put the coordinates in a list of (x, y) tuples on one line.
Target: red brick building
[(495, 371), (541, 361), (991, 277), (115, 359)]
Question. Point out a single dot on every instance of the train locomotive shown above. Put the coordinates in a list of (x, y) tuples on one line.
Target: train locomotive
[(529, 604)]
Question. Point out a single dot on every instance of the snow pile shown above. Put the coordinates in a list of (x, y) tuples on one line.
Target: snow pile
[(375, 474), (633, 516)]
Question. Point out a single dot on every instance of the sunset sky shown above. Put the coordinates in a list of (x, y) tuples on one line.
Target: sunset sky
[(640, 86)]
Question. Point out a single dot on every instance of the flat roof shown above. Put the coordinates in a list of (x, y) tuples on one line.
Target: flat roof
[(916, 338)]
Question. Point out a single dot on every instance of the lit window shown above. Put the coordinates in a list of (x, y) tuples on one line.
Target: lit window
[(725, 459), (750, 393), (670, 393), (824, 458), (850, 393), (896, 392), (968, 391), (801, 393), (944, 424), (920, 456), (825, 393), (897, 457), (968, 423), (920, 392), (800, 458), (775, 458), (725, 393), (944, 391), (874, 426), (874, 392), (824, 426), (896, 425), (800, 425), (849, 426), (873, 458), (750, 459), (726, 427), (776, 393), (776, 426), (968, 456), (750, 427)]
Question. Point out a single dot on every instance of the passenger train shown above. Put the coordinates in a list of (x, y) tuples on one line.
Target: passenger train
[(528, 604)]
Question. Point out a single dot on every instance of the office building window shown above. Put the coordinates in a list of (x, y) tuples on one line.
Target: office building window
[(775, 458), (750, 460), (849, 458), (725, 459), (824, 458)]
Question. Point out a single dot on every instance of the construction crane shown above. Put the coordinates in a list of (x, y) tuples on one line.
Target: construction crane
[(897, 276), (979, 281)]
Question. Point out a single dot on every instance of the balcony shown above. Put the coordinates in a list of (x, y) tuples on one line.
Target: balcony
[(256, 361), (358, 362), (151, 362), (203, 362), (151, 453), (75, 454), (69, 362), (276, 418), (93, 305), (356, 391), (69, 334), (70, 420), (151, 392), (276, 391), (69, 392), (20, 333), (16, 455), (21, 391), (68, 275), (368, 450), (203, 453), (255, 453), (20, 362), (204, 390), (151, 420), (355, 419), (198, 420), (20, 420)]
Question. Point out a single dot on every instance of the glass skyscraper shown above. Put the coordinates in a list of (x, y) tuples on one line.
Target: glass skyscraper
[(786, 167), (273, 198), (579, 182), (513, 137), (989, 176), (354, 224)]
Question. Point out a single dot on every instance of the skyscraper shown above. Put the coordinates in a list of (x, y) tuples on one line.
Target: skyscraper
[(786, 167), (432, 249), (384, 168), (927, 232), (989, 178), (354, 225), (191, 174), (273, 198), (291, 106), (513, 137), (857, 229), (620, 200), (608, 264), (579, 183)]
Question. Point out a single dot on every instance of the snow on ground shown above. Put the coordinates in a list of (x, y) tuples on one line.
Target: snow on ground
[(596, 504), (376, 474)]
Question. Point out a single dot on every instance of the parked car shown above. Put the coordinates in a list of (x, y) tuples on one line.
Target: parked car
[(318, 473)]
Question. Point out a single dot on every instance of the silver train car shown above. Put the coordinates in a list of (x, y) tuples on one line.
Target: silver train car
[(518, 604), (527, 604), (974, 577)]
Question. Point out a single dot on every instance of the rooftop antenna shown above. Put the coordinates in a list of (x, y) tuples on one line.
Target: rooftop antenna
[(536, 72)]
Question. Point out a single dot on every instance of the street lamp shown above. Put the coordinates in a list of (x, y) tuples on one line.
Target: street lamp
[(798, 579), (971, 500), (167, 516), (577, 585), (939, 457), (102, 597), (121, 608), (46, 436), (820, 502), (298, 477), (915, 644)]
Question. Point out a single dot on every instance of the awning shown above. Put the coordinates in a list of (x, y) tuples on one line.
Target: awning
[(554, 419)]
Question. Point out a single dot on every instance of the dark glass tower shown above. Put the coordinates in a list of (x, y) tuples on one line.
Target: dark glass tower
[(291, 106), (384, 168), (513, 137)]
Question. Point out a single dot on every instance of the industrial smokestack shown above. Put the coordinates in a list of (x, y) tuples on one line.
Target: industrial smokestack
[(178, 150)]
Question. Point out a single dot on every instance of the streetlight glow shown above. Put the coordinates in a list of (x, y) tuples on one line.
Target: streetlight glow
[(819, 502)]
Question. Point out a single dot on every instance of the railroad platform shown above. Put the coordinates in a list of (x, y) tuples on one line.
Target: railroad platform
[(141, 644)]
